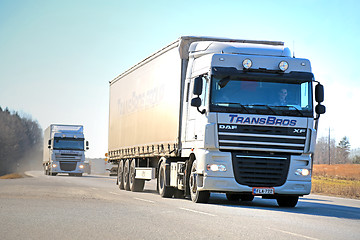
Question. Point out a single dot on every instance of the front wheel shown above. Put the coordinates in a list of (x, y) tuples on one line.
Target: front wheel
[(196, 195), (287, 201)]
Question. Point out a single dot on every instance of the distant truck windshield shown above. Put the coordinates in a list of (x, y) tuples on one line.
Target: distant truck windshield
[(232, 94), (68, 144)]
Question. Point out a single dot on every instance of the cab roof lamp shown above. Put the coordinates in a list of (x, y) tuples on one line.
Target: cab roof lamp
[(247, 63), (283, 65)]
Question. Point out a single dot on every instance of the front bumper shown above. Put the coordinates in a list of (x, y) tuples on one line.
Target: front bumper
[(222, 184)]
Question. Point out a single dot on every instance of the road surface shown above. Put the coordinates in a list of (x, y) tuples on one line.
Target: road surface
[(92, 207)]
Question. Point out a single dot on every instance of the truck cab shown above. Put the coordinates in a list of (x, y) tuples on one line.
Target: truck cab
[(249, 121)]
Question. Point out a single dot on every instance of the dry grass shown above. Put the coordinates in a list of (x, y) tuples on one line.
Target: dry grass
[(12, 176), (337, 180)]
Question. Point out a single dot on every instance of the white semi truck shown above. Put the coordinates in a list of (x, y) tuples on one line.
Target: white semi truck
[(64, 150), (221, 115)]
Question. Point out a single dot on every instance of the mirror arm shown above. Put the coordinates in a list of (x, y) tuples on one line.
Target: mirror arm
[(201, 111)]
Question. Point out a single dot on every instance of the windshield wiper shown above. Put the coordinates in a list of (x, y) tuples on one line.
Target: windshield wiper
[(291, 108), (235, 103), (262, 105)]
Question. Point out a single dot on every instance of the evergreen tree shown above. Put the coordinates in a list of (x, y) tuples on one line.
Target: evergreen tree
[(343, 150)]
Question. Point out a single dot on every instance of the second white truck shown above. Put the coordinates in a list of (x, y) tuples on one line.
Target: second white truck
[(222, 115), (64, 150)]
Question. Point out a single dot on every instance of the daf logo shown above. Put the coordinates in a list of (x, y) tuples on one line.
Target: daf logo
[(230, 127), (299, 130)]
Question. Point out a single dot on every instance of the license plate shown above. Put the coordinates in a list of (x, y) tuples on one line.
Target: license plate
[(263, 190)]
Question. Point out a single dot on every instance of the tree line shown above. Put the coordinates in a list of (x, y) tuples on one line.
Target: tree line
[(20, 142), (327, 151)]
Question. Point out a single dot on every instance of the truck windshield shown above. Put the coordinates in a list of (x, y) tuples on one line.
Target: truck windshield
[(232, 94), (68, 144)]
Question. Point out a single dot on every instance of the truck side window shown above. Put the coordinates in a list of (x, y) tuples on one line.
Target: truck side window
[(188, 92), (203, 96)]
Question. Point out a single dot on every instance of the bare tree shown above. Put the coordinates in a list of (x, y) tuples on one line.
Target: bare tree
[(19, 138)]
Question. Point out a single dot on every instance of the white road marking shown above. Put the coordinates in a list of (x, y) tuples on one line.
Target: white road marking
[(144, 200), (29, 174), (115, 193), (194, 211), (294, 234)]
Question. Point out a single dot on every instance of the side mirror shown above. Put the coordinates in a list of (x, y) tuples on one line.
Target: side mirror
[(87, 145), (319, 93), (49, 143), (198, 85), (320, 109), (196, 102)]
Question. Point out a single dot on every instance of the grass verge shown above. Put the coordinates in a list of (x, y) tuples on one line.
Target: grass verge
[(12, 176), (336, 187)]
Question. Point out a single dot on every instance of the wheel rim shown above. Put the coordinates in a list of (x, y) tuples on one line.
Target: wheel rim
[(161, 179), (132, 173), (126, 173), (121, 174), (193, 185)]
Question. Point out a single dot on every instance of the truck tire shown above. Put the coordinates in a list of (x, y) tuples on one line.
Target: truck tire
[(196, 195), (136, 185), (287, 201), (126, 175), (164, 191), (120, 175)]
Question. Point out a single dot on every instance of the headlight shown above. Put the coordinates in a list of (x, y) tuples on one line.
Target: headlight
[(54, 165), (302, 172), (247, 63), (81, 166), (216, 168), (283, 66)]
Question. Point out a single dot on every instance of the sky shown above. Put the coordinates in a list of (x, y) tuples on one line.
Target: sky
[(57, 57)]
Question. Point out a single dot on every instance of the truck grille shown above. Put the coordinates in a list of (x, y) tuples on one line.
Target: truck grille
[(260, 171), (67, 166), (262, 138), (67, 156)]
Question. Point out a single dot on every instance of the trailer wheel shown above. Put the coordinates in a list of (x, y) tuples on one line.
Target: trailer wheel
[(136, 185), (287, 201), (120, 175), (126, 175), (164, 191), (196, 195)]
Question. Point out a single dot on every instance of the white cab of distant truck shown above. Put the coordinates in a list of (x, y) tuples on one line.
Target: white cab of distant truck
[(64, 150), (207, 114)]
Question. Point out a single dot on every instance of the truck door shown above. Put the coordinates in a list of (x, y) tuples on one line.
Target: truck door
[(195, 124)]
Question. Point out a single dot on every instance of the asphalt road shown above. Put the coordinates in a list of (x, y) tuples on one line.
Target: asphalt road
[(92, 207)]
